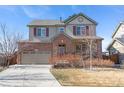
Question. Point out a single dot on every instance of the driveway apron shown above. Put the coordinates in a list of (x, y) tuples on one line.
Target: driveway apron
[(28, 76)]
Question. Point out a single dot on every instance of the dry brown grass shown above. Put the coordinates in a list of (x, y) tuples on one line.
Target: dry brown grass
[(81, 77)]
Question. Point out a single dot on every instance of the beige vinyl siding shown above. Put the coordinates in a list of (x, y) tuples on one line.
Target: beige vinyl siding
[(120, 32), (118, 47), (53, 30), (92, 30), (52, 33), (92, 27), (85, 21)]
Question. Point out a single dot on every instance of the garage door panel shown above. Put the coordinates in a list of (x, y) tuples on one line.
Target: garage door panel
[(35, 58)]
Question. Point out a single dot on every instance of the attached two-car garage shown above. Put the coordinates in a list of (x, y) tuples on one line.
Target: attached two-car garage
[(35, 57)]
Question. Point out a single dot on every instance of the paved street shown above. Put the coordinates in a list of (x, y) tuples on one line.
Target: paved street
[(28, 76)]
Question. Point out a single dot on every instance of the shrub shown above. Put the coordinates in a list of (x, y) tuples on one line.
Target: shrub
[(71, 60), (99, 63)]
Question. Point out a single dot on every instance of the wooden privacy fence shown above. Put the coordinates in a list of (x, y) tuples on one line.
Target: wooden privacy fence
[(113, 57), (12, 60)]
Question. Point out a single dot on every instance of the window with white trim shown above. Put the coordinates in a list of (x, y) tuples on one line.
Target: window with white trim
[(80, 30), (61, 29), (41, 32)]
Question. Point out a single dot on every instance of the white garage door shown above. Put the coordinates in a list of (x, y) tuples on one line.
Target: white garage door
[(35, 58)]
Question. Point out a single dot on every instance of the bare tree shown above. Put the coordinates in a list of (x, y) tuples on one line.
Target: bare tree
[(90, 50), (8, 43)]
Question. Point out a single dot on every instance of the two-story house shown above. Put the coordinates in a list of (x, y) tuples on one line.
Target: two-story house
[(53, 37), (117, 44)]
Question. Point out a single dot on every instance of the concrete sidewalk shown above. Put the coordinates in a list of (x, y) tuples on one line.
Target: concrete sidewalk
[(28, 76)]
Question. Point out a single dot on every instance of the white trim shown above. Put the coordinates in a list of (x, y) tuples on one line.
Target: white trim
[(41, 32), (60, 28), (81, 27)]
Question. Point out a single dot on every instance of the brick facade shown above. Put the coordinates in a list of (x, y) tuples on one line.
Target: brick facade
[(70, 46), (62, 39), (32, 46)]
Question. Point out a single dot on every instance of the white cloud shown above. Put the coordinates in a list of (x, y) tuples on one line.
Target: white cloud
[(30, 12), (37, 11)]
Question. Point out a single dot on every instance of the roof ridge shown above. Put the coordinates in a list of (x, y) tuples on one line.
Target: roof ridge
[(79, 14), (46, 19), (70, 17)]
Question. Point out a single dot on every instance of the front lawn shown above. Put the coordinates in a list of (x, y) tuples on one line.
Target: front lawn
[(82, 77)]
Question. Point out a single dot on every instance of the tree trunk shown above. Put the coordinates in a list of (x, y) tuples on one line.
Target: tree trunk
[(90, 54)]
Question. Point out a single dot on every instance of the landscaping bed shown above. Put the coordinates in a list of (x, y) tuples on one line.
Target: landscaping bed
[(83, 77)]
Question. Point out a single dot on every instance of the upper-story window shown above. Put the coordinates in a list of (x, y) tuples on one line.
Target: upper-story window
[(81, 30), (61, 29), (41, 32)]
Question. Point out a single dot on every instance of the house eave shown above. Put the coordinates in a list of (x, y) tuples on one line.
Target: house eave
[(110, 44), (113, 41), (44, 25), (89, 37), (117, 29), (52, 39), (80, 14)]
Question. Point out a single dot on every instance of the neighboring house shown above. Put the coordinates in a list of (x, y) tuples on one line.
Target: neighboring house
[(54, 37), (117, 44)]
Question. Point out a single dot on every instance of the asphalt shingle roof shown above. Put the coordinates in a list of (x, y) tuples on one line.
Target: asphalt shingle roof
[(45, 22), (58, 22)]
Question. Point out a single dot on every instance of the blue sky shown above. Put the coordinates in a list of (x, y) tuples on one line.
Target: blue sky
[(17, 17)]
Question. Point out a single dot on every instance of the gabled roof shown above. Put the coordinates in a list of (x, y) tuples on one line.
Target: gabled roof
[(76, 38), (117, 28), (111, 43), (58, 22), (45, 22), (61, 33), (69, 19), (120, 40)]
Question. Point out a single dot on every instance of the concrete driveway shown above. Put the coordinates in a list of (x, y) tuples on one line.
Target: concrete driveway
[(28, 76)]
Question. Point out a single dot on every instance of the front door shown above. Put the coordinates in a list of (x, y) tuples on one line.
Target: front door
[(61, 49)]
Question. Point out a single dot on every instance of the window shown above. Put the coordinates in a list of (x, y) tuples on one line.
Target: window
[(61, 29), (41, 32), (80, 30), (38, 32), (78, 48), (81, 48)]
